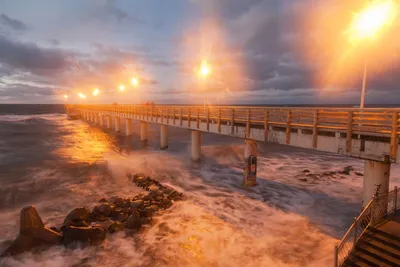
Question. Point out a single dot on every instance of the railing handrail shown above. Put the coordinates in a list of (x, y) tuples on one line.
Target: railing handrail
[(372, 222)]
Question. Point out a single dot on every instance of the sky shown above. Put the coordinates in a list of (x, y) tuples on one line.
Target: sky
[(259, 51)]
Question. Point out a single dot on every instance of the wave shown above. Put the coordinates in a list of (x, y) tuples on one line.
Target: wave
[(31, 118)]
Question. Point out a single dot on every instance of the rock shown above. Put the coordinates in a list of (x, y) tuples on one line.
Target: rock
[(359, 174), (115, 212), (30, 219), (146, 212), (104, 224), (103, 200), (306, 171), (137, 204), (78, 214), (166, 203), (347, 170), (54, 229), (116, 227), (85, 235), (133, 222), (303, 179), (33, 234), (116, 200), (104, 209), (122, 217), (137, 176)]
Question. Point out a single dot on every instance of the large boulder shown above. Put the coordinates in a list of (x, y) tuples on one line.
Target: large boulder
[(83, 235), (133, 222), (105, 224), (77, 217), (105, 209), (33, 234), (116, 227)]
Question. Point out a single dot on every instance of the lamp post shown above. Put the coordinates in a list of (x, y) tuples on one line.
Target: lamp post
[(367, 24)]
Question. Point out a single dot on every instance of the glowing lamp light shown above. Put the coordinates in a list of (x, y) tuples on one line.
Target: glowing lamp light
[(205, 69), (65, 96), (96, 92), (374, 17), (135, 81), (82, 96), (121, 87)]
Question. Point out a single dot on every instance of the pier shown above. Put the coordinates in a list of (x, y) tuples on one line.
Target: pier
[(369, 134)]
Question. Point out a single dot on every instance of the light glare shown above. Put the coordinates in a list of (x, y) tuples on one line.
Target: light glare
[(96, 92), (367, 23), (81, 96)]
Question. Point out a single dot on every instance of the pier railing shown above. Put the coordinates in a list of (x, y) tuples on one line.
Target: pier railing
[(374, 213), (352, 123)]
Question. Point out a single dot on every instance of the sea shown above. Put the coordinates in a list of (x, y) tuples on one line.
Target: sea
[(285, 220)]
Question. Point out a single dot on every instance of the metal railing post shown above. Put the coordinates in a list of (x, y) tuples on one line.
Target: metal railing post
[(180, 117), (208, 118), (355, 232), (395, 201), (335, 259), (198, 118)]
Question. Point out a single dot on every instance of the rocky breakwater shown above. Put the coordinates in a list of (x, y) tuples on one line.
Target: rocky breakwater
[(82, 226)]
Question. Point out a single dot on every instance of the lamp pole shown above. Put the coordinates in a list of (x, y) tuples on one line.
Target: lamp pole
[(363, 85)]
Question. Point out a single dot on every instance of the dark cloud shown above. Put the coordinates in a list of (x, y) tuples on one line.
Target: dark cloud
[(32, 58), (13, 24), (109, 11), (23, 90)]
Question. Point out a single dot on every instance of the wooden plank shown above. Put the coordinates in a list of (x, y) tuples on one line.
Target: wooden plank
[(233, 122), (189, 118), (288, 130), (394, 141), (180, 116), (266, 130), (349, 134), (167, 115), (315, 129), (219, 120), (208, 119), (174, 115), (248, 124), (198, 118)]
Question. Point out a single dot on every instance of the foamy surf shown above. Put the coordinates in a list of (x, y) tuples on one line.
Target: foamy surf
[(283, 221)]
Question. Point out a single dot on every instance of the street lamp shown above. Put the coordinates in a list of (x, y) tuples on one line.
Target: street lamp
[(96, 92), (122, 87), (366, 25), (65, 96), (82, 96), (205, 71)]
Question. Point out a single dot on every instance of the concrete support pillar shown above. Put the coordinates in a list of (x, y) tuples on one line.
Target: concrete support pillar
[(376, 179), (101, 120), (250, 162), (143, 131), (164, 137), (128, 127), (96, 118), (117, 121), (196, 145), (108, 122)]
